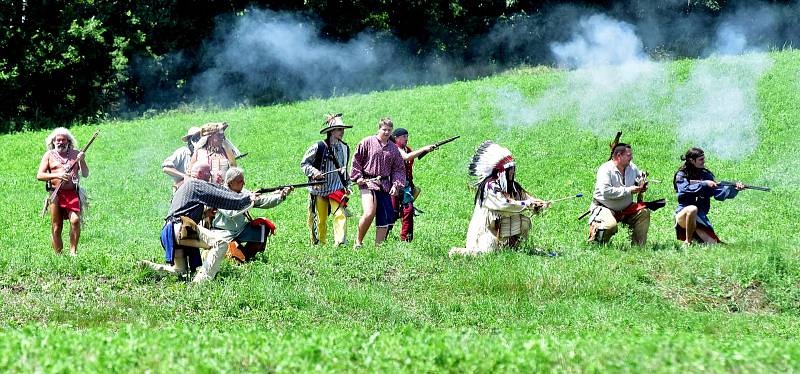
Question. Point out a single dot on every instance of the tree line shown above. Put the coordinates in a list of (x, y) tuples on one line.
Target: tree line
[(86, 60)]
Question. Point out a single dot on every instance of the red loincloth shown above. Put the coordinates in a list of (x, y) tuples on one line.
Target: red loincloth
[(69, 201)]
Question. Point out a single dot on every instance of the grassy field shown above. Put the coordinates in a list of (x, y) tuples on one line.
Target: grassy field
[(409, 307)]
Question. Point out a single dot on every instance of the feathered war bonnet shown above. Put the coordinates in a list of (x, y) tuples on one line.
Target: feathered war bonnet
[(489, 157)]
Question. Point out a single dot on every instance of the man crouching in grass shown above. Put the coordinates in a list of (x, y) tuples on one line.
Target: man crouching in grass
[(246, 236), (180, 227)]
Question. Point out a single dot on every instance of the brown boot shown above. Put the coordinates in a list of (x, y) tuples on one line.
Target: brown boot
[(235, 253)]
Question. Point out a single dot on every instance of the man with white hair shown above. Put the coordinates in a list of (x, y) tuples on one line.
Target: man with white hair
[(181, 233), (176, 165), (238, 226), (61, 154)]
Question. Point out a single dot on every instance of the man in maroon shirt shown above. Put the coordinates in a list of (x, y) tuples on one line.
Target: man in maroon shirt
[(379, 172), (403, 203)]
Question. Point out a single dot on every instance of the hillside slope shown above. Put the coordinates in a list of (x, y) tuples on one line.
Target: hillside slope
[(407, 306)]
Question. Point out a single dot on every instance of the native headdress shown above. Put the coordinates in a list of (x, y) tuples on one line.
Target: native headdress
[(491, 159), (60, 131)]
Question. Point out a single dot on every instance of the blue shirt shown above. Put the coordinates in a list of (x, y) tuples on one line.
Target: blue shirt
[(699, 194)]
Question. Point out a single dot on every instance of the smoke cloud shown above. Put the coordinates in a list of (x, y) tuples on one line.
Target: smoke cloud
[(614, 80), (717, 108), (263, 57), (273, 56)]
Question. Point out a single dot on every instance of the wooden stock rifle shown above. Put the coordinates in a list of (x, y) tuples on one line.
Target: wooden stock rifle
[(273, 189), (746, 186), (70, 169), (733, 184), (443, 142)]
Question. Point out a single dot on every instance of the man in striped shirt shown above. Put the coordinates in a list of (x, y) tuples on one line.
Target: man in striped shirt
[(188, 201), (327, 160)]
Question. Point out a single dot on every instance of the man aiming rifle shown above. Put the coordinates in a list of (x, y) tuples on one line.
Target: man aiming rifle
[(404, 203)]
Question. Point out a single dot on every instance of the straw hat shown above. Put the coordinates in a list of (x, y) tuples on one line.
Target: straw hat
[(333, 122), (213, 127), (194, 130)]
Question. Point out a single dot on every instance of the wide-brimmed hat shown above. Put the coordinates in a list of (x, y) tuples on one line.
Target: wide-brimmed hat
[(194, 130), (333, 122), (213, 127)]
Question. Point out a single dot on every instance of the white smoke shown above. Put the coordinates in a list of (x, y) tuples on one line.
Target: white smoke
[(746, 30), (600, 41), (613, 81), (717, 107), (273, 55)]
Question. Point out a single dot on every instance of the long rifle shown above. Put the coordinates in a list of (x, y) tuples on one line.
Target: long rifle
[(733, 184), (440, 143), (272, 189), (70, 170), (746, 186)]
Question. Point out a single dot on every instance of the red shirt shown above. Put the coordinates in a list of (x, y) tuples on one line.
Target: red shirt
[(373, 158)]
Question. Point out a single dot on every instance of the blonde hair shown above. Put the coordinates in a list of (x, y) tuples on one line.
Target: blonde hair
[(386, 121)]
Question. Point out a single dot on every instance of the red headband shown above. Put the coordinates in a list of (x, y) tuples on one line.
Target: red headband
[(501, 165)]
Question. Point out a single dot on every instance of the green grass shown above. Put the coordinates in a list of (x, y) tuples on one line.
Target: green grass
[(407, 306)]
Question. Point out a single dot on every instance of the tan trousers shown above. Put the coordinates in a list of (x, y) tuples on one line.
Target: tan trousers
[(604, 226), (325, 206), (216, 253)]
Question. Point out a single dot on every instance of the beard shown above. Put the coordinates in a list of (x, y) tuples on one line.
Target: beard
[(62, 147)]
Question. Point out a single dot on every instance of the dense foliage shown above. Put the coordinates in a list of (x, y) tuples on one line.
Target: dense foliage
[(68, 61)]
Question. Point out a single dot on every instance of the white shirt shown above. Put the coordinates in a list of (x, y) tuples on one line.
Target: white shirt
[(612, 188)]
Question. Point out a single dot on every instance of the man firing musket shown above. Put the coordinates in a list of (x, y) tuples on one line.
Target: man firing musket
[(695, 185), (66, 199), (498, 219), (404, 203)]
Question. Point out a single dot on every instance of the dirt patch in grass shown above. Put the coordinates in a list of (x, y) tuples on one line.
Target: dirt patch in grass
[(13, 288), (720, 295)]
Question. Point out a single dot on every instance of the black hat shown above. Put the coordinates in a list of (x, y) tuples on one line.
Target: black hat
[(399, 132)]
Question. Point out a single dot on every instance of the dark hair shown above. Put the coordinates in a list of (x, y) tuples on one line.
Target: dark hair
[(515, 190), (619, 149), (689, 171)]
